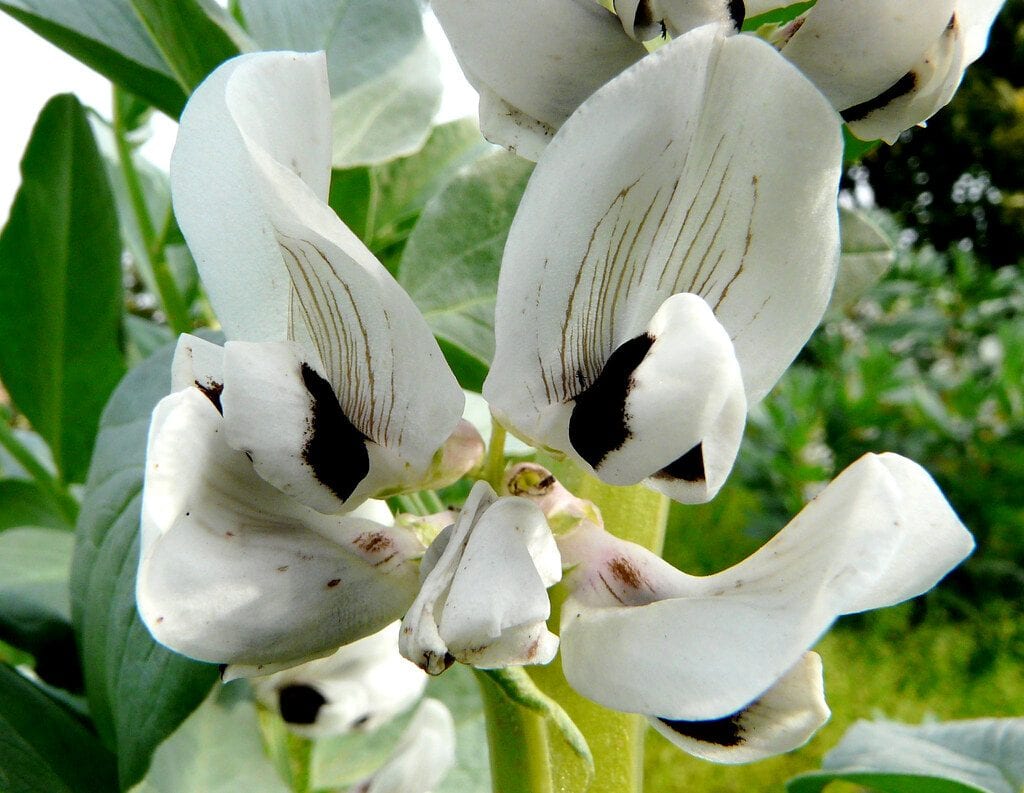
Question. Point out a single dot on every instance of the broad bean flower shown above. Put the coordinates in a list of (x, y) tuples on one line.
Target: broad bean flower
[(885, 66), (360, 687), (721, 665)]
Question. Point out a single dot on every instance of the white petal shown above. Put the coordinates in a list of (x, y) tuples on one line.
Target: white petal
[(533, 61), (853, 50), (929, 84), (483, 600), (668, 404), (710, 167), (281, 103), (197, 362), (361, 686), (373, 346), (232, 570), (497, 587), (424, 755), (647, 19), (700, 648), (780, 720), (976, 19)]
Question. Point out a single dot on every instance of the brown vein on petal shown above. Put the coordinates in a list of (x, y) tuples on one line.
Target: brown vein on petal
[(754, 180), (700, 230)]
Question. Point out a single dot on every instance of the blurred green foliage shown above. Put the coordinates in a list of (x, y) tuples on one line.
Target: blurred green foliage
[(963, 177), (929, 364)]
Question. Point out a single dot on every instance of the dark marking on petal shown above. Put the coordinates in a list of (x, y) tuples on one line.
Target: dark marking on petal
[(229, 534), (644, 16), (738, 12), (726, 731), (300, 704), (951, 25), (626, 572), (212, 390), (333, 583), (283, 569), (901, 87), (159, 620), (689, 467), (221, 669), (598, 425), (372, 542), (335, 449), (361, 721)]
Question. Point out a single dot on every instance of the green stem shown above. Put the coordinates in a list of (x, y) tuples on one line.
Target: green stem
[(47, 481), (170, 296), (494, 466), (432, 501), (518, 742)]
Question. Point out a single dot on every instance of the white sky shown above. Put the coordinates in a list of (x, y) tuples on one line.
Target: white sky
[(34, 70)]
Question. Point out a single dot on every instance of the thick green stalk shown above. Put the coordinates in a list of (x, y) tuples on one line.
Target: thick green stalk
[(518, 742), (494, 465), (47, 481), (616, 739), (170, 296)]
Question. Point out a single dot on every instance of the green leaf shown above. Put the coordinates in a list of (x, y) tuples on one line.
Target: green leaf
[(138, 691), (107, 36), (194, 36), (144, 337), (60, 287), (866, 255), (42, 748), (381, 203), (978, 755), (451, 261), (24, 503), (338, 762), (855, 149), (384, 79), (217, 749), (35, 564)]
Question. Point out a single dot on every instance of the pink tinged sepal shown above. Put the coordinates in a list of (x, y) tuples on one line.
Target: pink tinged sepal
[(782, 719), (562, 510), (483, 599), (423, 757), (724, 192), (640, 636), (232, 570), (360, 687)]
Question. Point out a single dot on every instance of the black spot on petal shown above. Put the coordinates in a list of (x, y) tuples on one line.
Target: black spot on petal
[(598, 425), (689, 467), (212, 391), (738, 12), (726, 731), (335, 449), (644, 16), (901, 87), (300, 704)]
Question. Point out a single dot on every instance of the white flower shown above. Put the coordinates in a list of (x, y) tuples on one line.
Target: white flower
[(330, 390), (483, 599), (720, 664), (674, 250), (888, 66), (362, 686)]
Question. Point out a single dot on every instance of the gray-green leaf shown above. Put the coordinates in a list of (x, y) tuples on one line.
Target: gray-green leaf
[(451, 261), (138, 691), (217, 749), (60, 287), (107, 36), (866, 255), (43, 748), (972, 756), (384, 78)]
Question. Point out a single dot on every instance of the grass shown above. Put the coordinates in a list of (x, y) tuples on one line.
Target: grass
[(879, 665)]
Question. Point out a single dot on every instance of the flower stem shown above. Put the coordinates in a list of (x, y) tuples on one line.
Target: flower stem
[(494, 466), (518, 743), (153, 248), (47, 481)]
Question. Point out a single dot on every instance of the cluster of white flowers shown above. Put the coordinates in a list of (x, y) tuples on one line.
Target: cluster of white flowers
[(676, 246)]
